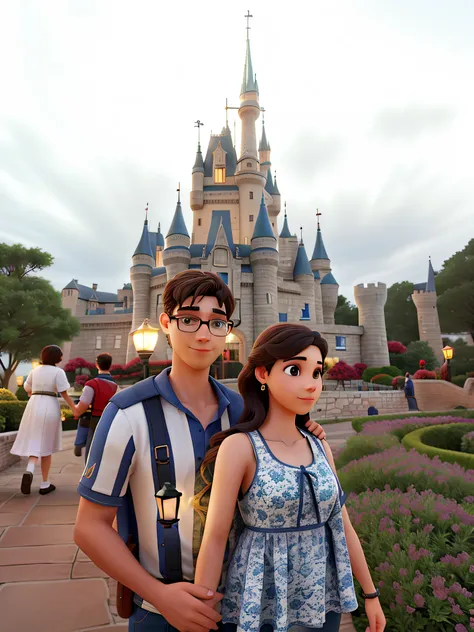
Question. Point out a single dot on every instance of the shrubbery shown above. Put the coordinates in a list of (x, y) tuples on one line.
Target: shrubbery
[(358, 446), (384, 379), (441, 442), (21, 394), (459, 380), (3, 424), (6, 395), (12, 411), (410, 360), (396, 347), (467, 443), (398, 382), (342, 371), (368, 374), (423, 374)]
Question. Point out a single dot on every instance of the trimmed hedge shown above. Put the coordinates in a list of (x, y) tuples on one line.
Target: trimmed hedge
[(12, 411), (382, 378), (3, 423), (420, 439), (359, 446), (7, 396), (459, 380), (358, 422)]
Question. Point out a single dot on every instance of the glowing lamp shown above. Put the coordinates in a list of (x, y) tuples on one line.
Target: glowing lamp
[(448, 352), (167, 501)]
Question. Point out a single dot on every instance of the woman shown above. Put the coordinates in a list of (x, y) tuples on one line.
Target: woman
[(291, 566), (39, 434)]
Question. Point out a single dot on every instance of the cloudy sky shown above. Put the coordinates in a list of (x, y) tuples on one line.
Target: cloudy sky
[(369, 112)]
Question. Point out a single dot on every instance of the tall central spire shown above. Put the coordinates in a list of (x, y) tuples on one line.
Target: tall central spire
[(249, 82)]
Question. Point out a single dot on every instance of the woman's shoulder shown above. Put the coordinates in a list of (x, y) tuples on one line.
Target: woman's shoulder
[(239, 441)]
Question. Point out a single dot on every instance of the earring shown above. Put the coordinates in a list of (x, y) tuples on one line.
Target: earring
[(263, 387)]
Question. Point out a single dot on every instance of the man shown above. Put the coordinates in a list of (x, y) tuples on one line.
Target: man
[(96, 395), (119, 476), (410, 393)]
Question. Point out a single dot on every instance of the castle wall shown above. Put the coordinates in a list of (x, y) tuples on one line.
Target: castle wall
[(108, 329)]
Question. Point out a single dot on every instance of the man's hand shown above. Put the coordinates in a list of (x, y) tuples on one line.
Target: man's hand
[(314, 428), (189, 608)]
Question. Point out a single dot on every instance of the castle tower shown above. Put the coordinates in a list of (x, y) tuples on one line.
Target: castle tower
[(321, 266), (370, 300), (264, 262), (274, 207), (304, 278), (160, 246), (264, 151), (176, 255), (197, 188), (143, 262), (428, 319), (287, 249), (248, 176)]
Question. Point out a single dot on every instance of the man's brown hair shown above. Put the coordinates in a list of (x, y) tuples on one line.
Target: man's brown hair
[(104, 361), (194, 283)]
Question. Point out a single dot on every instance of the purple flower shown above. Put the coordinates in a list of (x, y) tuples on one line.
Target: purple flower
[(456, 528), (418, 580), (403, 572), (419, 600), (396, 548), (399, 599), (396, 585), (410, 610), (460, 628), (456, 609)]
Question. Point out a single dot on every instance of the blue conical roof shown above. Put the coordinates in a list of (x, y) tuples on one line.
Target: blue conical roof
[(269, 186), (160, 240), (430, 285), (285, 231), (302, 264), (144, 246), (275, 186), (319, 251), (263, 228), (199, 162), (249, 82), (178, 225), (329, 279), (264, 144)]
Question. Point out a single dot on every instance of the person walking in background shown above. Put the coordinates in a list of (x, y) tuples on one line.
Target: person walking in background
[(95, 396), (409, 389), (39, 434), (372, 410)]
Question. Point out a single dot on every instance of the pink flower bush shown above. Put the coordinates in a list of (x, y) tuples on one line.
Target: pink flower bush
[(396, 347), (360, 367), (423, 374), (401, 427), (342, 371)]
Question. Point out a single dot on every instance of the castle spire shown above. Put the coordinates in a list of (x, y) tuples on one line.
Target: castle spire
[(264, 144), (249, 81), (263, 228), (144, 245), (285, 231), (178, 225), (430, 285), (302, 264), (319, 251)]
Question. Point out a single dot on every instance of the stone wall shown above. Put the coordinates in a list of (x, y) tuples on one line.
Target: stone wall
[(6, 441), (441, 395), (108, 328)]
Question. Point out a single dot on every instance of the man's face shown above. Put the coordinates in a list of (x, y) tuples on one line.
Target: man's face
[(198, 349)]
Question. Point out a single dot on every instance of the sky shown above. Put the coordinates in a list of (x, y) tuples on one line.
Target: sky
[(368, 112)]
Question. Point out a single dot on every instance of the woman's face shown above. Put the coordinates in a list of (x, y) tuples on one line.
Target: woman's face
[(295, 383)]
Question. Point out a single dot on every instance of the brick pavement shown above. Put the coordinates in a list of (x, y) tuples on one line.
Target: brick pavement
[(46, 583)]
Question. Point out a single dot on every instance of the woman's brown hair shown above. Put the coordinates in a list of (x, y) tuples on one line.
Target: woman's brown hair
[(51, 355), (278, 342)]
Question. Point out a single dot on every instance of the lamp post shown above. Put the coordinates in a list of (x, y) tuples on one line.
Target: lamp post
[(20, 380), (144, 340), (167, 501), (448, 353)]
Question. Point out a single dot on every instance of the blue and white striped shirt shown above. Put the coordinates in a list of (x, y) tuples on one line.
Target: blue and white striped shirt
[(119, 471)]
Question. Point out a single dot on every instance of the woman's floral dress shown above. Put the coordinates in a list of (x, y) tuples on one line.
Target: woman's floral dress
[(291, 564)]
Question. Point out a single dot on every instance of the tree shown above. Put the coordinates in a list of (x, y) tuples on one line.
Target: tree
[(400, 313), (346, 313), (410, 361), (31, 315)]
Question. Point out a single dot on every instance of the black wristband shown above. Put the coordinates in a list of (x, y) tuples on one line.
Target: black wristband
[(371, 595)]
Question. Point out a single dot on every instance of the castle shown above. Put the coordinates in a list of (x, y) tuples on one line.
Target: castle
[(236, 205)]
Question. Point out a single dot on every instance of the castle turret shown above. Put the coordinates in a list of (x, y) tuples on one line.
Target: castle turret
[(303, 276), (248, 176), (176, 255), (370, 300), (264, 151), (143, 262), (264, 262), (318, 298), (328, 287), (427, 311), (197, 191), (329, 292), (287, 249)]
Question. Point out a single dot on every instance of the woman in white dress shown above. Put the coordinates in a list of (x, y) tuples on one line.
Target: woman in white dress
[(39, 434)]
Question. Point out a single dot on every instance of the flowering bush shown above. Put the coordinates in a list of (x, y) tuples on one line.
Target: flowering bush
[(78, 363), (399, 468), (342, 371), (80, 380), (467, 443), (401, 427), (443, 372), (422, 364), (360, 368), (423, 374), (421, 560), (398, 382), (358, 446), (396, 347), (382, 378)]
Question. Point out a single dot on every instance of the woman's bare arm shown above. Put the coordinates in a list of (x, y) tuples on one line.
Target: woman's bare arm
[(234, 457), (69, 401)]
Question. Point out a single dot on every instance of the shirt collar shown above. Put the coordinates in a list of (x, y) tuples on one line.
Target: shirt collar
[(106, 376), (164, 388)]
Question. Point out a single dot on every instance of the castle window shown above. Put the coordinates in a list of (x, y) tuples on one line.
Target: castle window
[(199, 222), (220, 258), (224, 276), (98, 342), (283, 318), (305, 312), (250, 195), (340, 343), (269, 298), (249, 164), (219, 175), (118, 340), (250, 218)]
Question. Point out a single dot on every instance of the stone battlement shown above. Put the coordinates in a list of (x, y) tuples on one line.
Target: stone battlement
[(370, 286)]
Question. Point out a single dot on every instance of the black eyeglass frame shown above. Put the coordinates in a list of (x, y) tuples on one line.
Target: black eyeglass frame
[(229, 323)]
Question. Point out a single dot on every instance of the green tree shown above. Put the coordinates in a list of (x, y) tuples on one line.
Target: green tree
[(410, 361), (463, 357), (456, 270), (346, 313), (400, 313), (456, 308), (31, 315)]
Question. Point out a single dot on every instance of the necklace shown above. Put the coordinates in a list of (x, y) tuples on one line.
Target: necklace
[(288, 445)]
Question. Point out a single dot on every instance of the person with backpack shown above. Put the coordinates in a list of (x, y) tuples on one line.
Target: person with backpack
[(152, 438), (95, 397)]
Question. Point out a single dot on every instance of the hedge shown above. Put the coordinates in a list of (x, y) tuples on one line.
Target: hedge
[(358, 422), (13, 412), (382, 378), (416, 440), (369, 373), (2, 424)]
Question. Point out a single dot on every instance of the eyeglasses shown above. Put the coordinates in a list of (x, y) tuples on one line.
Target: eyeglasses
[(191, 324)]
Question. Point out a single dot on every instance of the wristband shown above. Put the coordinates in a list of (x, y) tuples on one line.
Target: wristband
[(371, 595)]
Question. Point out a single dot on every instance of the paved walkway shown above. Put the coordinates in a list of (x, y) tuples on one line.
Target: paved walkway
[(46, 583)]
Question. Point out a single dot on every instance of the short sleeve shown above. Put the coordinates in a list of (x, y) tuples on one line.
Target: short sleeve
[(28, 385), (106, 475), (87, 395), (61, 381)]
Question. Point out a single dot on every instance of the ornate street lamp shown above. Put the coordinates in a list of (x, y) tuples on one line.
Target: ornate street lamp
[(167, 501), (20, 380), (144, 340), (448, 353)]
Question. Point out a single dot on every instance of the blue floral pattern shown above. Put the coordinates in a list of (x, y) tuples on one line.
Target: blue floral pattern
[(291, 563)]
